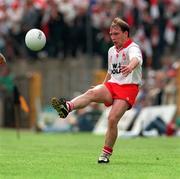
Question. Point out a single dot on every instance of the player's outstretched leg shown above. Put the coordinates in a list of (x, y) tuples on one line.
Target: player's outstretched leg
[(60, 106)]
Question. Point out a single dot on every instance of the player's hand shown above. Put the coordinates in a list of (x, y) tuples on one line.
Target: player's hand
[(125, 70)]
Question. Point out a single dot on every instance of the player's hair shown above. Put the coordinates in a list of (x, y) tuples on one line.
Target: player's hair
[(120, 23)]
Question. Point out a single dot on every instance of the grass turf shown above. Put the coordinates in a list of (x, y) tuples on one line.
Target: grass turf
[(71, 156)]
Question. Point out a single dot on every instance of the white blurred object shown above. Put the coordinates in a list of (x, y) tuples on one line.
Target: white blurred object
[(123, 124), (169, 33), (151, 133), (35, 39), (154, 11)]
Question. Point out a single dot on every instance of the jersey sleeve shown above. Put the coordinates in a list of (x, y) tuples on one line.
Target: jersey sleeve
[(135, 52)]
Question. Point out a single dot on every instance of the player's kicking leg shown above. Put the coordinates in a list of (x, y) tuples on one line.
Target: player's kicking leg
[(97, 94)]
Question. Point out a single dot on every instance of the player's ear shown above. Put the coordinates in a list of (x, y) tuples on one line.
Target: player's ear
[(126, 33)]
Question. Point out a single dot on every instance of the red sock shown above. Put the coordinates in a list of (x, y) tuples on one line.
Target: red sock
[(70, 106), (107, 150)]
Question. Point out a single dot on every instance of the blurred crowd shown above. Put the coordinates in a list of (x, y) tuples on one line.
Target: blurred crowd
[(74, 26), (160, 87)]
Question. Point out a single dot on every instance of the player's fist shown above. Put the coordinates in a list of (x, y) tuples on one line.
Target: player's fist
[(125, 70)]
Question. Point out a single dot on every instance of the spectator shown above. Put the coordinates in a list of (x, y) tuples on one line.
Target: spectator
[(155, 26)]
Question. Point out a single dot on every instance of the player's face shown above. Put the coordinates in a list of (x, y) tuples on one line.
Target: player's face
[(117, 36)]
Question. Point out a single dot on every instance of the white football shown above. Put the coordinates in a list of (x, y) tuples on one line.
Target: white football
[(35, 39)]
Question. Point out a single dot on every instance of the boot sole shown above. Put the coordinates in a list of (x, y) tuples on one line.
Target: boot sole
[(58, 105)]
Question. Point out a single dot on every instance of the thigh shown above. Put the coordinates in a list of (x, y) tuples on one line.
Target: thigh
[(102, 94), (118, 109)]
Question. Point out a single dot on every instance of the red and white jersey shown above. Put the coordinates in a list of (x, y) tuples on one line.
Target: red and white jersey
[(123, 56)]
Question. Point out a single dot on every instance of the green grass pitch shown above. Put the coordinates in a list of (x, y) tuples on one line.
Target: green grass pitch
[(74, 156)]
